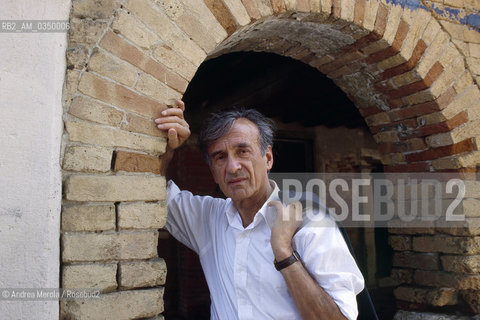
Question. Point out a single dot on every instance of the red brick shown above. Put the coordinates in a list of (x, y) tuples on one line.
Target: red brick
[(395, 103), (420, 85), (315, 63), (424, 108), (380, 55), (434, 72), (410, 167), (222, 14), (363, 42), (401, 34), (119, 96), (355, 66), (278, 6), (369, 111), (341, 61), (340, 72), (463, 146), (381, 20), (359, 12), (441, 127), (336, 8), (445, 98), (252, 9), (383, 86), (301, 54), (136, 162), (407, 66), (294, 50), (404, 146), (278, 45), (281, 46), (392, 50), (308, 58), (121, 48), (407, 90)]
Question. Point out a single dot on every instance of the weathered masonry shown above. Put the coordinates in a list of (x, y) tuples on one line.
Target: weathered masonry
[(412, 68)]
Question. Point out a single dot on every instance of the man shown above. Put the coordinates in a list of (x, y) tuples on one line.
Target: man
[(238, 239)]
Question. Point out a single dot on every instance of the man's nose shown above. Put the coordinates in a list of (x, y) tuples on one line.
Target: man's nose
[(233, 165)]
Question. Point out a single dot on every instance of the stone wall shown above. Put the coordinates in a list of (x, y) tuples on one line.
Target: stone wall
[(412, 77), (32, 70)]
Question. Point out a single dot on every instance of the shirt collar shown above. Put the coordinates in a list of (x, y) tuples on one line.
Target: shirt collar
[(267, 213)]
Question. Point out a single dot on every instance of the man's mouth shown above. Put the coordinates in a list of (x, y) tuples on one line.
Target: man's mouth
[(236, 180)]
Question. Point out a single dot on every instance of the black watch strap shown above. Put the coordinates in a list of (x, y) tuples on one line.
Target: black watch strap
[(286, 262)]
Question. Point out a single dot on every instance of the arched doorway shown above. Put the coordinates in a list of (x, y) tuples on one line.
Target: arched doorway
[(319, 130)]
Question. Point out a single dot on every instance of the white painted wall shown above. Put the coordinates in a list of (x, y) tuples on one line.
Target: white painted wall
[(32, 68)]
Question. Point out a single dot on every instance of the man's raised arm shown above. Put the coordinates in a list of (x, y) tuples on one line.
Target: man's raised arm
[(172, 122)]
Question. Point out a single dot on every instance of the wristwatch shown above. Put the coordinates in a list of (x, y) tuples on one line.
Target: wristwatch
[(286, 262)]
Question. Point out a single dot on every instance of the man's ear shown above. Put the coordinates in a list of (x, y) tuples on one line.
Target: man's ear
[(269, 157)]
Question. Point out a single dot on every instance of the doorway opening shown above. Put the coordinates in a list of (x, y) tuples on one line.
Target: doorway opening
[(319, 130)]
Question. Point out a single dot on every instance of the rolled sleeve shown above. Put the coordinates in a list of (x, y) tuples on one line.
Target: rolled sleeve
[(327, 258)]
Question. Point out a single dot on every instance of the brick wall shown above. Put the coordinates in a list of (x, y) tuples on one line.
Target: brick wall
[(412, 72)]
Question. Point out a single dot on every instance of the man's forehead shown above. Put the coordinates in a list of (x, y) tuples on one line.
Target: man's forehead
[(243, 133)]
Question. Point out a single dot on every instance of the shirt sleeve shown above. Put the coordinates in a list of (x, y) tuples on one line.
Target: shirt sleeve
[(188, 216), (327, 258)]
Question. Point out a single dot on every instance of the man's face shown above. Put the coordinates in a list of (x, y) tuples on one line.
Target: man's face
[(237, 162)]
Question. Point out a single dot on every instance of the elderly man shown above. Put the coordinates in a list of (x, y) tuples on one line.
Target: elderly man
[(258, 262)]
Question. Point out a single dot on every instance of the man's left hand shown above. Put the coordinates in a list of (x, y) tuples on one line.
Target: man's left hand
[(286, 223)]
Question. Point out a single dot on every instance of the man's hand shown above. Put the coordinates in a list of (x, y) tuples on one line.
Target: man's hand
[(172, 122), (286, 223), (311, 300)]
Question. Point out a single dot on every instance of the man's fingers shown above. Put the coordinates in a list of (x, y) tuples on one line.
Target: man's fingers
[(181, 105), (293, 211), (277, 205), (172, 112), (179, 129), (166, 120), (172, 137), (296, 210)]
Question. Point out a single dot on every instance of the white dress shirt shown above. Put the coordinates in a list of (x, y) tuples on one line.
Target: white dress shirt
[(238, 261)]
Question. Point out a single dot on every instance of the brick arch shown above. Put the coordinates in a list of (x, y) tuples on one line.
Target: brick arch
[(127, 58), (398, 67)]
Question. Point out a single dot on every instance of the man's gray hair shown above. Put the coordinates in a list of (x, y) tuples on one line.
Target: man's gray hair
[(219, 123)]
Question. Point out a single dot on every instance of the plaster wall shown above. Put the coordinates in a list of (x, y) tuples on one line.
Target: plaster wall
[(32, 70)]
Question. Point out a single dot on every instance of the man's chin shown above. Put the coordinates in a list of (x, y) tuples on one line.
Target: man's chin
[(236, 194)]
